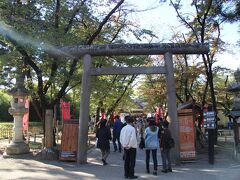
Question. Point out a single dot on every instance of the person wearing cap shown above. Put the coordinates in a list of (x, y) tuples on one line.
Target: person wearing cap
[(165, 150), (128, 139)]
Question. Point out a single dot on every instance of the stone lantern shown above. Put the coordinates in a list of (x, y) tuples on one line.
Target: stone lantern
[(17, 110), (235, 112)]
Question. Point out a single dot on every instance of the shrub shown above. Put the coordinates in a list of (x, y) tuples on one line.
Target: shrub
[(4, 106)]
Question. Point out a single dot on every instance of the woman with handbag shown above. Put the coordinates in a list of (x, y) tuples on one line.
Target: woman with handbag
[(151, 144)]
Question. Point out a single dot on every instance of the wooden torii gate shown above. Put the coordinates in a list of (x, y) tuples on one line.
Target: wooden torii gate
[(166, 49)]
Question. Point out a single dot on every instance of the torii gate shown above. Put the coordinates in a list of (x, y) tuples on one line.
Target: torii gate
[(166, 49)]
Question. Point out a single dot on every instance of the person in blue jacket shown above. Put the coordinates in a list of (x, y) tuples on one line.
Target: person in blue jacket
[(151, 144)]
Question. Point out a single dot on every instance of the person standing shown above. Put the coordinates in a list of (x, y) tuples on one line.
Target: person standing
[(128, 139), (117, 126), (151, 144), (103, 136), (165, 150)]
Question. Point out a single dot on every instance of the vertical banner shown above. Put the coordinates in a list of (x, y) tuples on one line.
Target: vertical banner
[(65, 107), (186, 134), (25, 118)]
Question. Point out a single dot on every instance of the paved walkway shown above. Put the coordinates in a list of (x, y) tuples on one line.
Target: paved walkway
[(27, 167)]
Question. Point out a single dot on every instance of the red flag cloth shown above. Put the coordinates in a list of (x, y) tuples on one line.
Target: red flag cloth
[(161, 112), (157, 115), (65, 106), (104, 116), (25, 118)]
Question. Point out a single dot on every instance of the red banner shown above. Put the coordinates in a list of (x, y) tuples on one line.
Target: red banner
[(65, 107), (25, 118)]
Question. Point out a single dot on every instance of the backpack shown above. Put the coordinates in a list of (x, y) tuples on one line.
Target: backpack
[(170, 143)]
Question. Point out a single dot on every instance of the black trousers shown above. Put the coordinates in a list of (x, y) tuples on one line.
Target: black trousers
[(116, 137), (129, 161), (154, 157)]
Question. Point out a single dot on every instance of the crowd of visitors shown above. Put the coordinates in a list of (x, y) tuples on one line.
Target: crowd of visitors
[(155, 136)]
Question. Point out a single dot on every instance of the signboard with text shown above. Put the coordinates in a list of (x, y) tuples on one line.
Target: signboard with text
[(209, 120)]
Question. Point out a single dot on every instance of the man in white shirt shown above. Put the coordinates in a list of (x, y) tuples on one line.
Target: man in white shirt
[(128, 139)]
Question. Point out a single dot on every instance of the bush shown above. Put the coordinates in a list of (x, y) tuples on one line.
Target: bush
[(6, 124), (10, 124), (35, 124), (4, 106)]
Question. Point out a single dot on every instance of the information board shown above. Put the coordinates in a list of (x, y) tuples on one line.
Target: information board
[(209, 120), (186, 133), (69, 140)]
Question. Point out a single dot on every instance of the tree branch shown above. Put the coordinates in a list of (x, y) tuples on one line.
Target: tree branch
[(75, 11), (184, 21), (104, 21), (114, 105), (66, 83)]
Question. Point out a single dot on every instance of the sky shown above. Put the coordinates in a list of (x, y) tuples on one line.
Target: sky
[(162, 19)]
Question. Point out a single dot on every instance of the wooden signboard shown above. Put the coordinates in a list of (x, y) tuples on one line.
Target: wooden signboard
[(69, 140), (187, 134)]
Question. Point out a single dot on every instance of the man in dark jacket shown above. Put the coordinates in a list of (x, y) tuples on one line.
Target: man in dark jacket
[(165, 150), (117, 126)]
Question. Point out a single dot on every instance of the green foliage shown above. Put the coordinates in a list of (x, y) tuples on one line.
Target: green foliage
[(203, 25), (152, 89), (32, 30), (4, 106), (6, 125), (222, 80), (35, 124), (35, 145), (6, 130), (10, 124), (195, 77), (114, 91)]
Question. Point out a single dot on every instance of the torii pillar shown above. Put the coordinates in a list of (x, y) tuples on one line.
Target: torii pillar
[(84, 111), (172, 106)]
